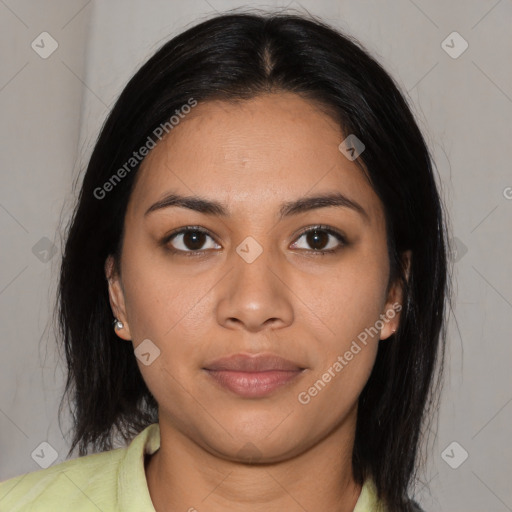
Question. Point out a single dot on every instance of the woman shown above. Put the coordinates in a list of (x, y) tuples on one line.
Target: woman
[(260, 221)]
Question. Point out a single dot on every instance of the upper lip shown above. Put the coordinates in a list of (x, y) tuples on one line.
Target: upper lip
[(252, 363)]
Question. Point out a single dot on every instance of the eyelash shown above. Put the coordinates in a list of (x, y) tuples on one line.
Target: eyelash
[(199, 253)]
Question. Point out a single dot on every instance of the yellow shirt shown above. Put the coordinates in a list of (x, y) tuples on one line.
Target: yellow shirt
[(110, 481)]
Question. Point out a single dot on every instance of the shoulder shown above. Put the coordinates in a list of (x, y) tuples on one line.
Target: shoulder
[(86, 482), (111, 480), (368, 500)]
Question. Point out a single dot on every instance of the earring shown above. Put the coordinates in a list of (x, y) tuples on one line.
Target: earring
[(118, 324)]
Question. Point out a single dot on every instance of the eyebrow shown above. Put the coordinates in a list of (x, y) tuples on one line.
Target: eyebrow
[(302, 205)]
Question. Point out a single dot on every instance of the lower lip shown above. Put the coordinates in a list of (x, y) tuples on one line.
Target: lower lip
[(253, 384)]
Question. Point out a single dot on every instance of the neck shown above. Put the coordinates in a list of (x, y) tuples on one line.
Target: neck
[(183, 476)]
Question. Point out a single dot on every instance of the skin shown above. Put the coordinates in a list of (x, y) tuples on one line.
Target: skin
[(253, 156)]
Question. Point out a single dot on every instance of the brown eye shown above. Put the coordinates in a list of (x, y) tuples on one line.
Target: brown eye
[(317, 239), (322, 240), (191, 240)]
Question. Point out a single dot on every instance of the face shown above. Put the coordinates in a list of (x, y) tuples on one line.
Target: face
[(196, 285)]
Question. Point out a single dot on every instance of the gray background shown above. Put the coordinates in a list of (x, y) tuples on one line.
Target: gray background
[(53, 108)]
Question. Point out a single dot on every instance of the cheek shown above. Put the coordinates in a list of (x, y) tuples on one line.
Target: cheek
[(331, 394), (346, 341), (347, 300), (343, 310), (160, 301), (169, 309)]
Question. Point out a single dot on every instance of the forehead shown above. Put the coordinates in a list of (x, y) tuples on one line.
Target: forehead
[(251, 154)]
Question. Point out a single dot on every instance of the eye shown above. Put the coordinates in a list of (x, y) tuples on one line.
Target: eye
[(322, 239), (189, 240)]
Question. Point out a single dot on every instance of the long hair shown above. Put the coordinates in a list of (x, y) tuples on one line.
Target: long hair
[(233, 57)]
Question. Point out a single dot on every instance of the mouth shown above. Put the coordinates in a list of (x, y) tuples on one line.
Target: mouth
[(252, 376)]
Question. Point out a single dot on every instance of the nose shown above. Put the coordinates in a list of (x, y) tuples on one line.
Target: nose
[(255, 296)]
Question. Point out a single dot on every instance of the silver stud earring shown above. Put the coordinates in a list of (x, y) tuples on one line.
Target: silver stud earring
[(118, 324)]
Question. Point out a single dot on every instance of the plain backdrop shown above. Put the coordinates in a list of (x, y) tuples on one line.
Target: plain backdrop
[(52, 109)]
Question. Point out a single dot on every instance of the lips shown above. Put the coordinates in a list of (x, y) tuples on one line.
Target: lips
[(253, 376), (253, 363)]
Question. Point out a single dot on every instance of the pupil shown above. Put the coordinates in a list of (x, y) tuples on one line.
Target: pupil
[(193, 239), (314, 237)]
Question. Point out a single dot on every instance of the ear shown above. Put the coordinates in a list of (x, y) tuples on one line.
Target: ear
[(394, 302), (116, 297)]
